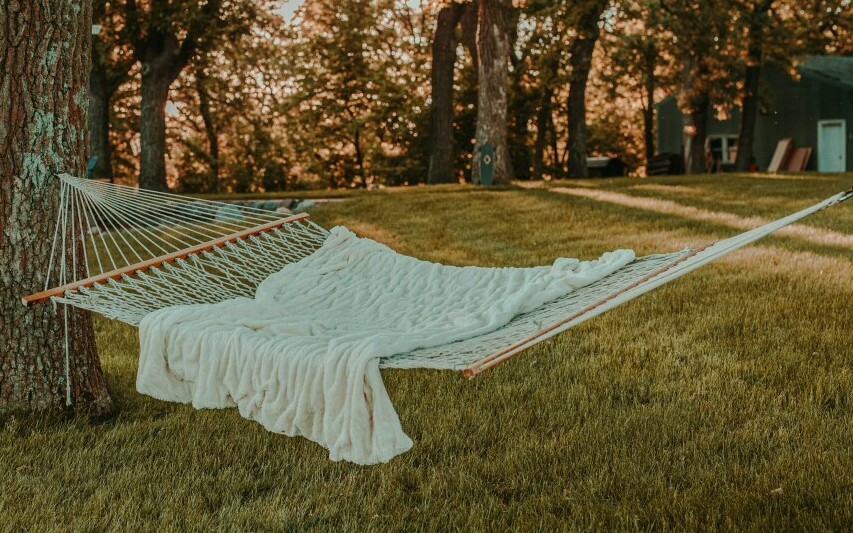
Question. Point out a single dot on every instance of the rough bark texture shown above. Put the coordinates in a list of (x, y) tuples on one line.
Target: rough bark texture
[(157, 60), (580, 60), (749, 103), (493, 66), (443, 61), (43, 129)]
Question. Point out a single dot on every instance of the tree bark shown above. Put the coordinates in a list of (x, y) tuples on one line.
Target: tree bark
[(43, 131), (751, 85), (157, 61), (468, 24), (699, 121), (555, 149), (650, 82), (162, 58), (105, 78), (520, 110), (99, 123), (443, 62), (209, 128), (493, 66), (580, 61), (543, 116), (359, 154)]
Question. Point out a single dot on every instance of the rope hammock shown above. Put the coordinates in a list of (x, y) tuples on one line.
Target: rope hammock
[(146, 251)]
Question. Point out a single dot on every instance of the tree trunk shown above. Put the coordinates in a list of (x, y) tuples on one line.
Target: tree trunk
[(650, 83), (543, 115), (209, 129), (152, 128), (749, 104), (99, 123), (43, 102), (580, 60), (443, 62), (359, 155), (555, 148), (699, 121), (160, 66), (749, 116), (493, 66), (520, 110), (468, 25)]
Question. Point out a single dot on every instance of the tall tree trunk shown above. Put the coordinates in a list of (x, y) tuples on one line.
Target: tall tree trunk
[(555, 148), (209, 128), (99, 123), (152, 117), (699, 121), (493, 51), (43, 105), (580, 60), (751, 85), (359, 155), (543, 115), (650, 82), (443, 61), (469, 25), (162, 57)]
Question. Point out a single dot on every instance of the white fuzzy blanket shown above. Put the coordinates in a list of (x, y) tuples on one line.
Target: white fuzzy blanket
[(302, 358)]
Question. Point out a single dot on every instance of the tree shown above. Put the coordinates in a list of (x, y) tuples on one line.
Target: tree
[(542, 45), (227, 134), (493, 65), (758, 19), (44, 100), (111, 64), (444, 45), (701, 34), (156, 45), (637, 67), (359, 88), (580, 60), (781, 32)]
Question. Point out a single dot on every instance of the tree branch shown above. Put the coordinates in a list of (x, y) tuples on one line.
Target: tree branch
[(207, 15)]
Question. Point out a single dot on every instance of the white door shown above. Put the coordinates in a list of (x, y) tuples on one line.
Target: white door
[(831, 146)]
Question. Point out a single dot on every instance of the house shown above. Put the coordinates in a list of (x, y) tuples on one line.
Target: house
[(816, 111)]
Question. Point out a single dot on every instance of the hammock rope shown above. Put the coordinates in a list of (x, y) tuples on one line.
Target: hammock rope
[(146, 250)]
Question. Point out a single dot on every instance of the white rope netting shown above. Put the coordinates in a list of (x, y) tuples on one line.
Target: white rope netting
[(130, 231)]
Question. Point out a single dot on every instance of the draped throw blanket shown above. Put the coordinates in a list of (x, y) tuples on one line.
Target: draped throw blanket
[(302, 357)]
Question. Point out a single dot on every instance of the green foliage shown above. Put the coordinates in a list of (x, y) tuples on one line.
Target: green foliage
[(358, 104), (339, 95)]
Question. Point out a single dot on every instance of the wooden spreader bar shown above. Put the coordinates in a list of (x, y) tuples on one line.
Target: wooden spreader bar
[(502, 355), (43, 296)]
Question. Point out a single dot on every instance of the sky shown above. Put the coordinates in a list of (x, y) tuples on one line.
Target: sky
[(289, 7)]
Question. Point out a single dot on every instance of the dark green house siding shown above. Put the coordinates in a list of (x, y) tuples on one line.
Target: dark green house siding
[(792, 108)]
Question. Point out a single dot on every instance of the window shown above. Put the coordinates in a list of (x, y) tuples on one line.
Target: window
[(723, 148)]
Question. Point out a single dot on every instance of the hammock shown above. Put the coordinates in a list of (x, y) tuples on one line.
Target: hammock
[(148, 252)]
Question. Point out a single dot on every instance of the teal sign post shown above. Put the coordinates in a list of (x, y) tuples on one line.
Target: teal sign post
[(487, 163), (90, 169)]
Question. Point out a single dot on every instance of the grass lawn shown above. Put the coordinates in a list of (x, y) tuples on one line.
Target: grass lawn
[(721, 401)]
